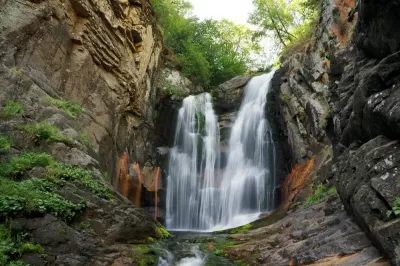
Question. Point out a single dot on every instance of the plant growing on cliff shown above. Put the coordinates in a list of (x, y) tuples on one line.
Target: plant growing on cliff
[(5, 144), (319, 194), (71, 108), (17, 165), (13, 108), (46, 131), (14, 244), (34, 196), (60, 171), (396, 208)]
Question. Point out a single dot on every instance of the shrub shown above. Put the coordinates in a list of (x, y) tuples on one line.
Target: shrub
[(5, 144), (320, 193), (67, 172), (24, 162), (13, 108), (13, 245), (70, 107), (34, 196), (46, 131)]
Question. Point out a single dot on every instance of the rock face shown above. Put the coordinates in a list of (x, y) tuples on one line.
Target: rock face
[(106, 56), (323, 234), (342, 91), (229, 94)]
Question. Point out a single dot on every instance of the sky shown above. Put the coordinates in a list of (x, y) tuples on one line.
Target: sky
[(235, 10)]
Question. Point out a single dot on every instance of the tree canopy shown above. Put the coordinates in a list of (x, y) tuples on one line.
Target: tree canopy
[(210, 51), (288, 20)]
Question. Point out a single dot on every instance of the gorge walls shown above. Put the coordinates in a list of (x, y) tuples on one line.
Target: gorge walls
[(90, 79), (341, 91)]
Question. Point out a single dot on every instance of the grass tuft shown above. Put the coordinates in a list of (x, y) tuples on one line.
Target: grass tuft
[(13, 108), (71, 108), (320, 193), (5, 144), (46, 131)]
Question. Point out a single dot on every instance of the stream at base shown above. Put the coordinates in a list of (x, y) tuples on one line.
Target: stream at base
[(191, 249)]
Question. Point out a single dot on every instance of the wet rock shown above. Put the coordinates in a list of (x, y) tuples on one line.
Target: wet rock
[(229, 94)]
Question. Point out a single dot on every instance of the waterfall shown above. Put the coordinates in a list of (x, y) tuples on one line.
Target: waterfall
[(200, 195)]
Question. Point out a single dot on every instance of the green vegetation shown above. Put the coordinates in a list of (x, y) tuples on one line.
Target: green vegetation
[(5, 144), (13, 108), (319, 194), (286, 97), (161, 232), (292, 24), (70, 107), (241, 263), (242, 229), (144, 255), (13, 245), (17, 165), (46, 131), (221, 244), (209, 52), (34, 196), (396, 208), (60, 171)]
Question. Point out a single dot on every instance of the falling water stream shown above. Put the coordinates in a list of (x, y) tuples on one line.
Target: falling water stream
[(202, 196)]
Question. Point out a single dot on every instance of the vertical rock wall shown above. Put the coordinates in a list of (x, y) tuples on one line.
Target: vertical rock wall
[(342, 92)]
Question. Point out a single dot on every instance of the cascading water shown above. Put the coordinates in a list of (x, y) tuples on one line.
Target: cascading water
[(193, 161), (200, 195)]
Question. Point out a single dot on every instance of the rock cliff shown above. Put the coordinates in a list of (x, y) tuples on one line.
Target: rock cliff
[(89, 79), (341, 91)]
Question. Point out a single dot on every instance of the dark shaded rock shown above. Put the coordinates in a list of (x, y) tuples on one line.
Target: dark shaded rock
[(229, 94), (377, 32), (368, 183)]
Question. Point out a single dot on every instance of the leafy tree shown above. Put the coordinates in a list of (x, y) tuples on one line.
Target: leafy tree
[(274, 15), (209, 52), (289, 22)]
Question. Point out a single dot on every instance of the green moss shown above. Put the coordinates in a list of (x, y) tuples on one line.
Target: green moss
[(46, 131), (221, 244), (5, 144), (242, 229), (161, 232), (286, 97), (241, 263), (319, 194), (144, 255), (14, 244), (71, 108), (13, 108)]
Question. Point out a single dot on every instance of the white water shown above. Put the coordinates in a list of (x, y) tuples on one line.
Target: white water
[(200, 195), (198, 260)]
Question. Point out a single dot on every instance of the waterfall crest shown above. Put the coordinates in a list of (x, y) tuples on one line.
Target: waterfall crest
[(200, 195)]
